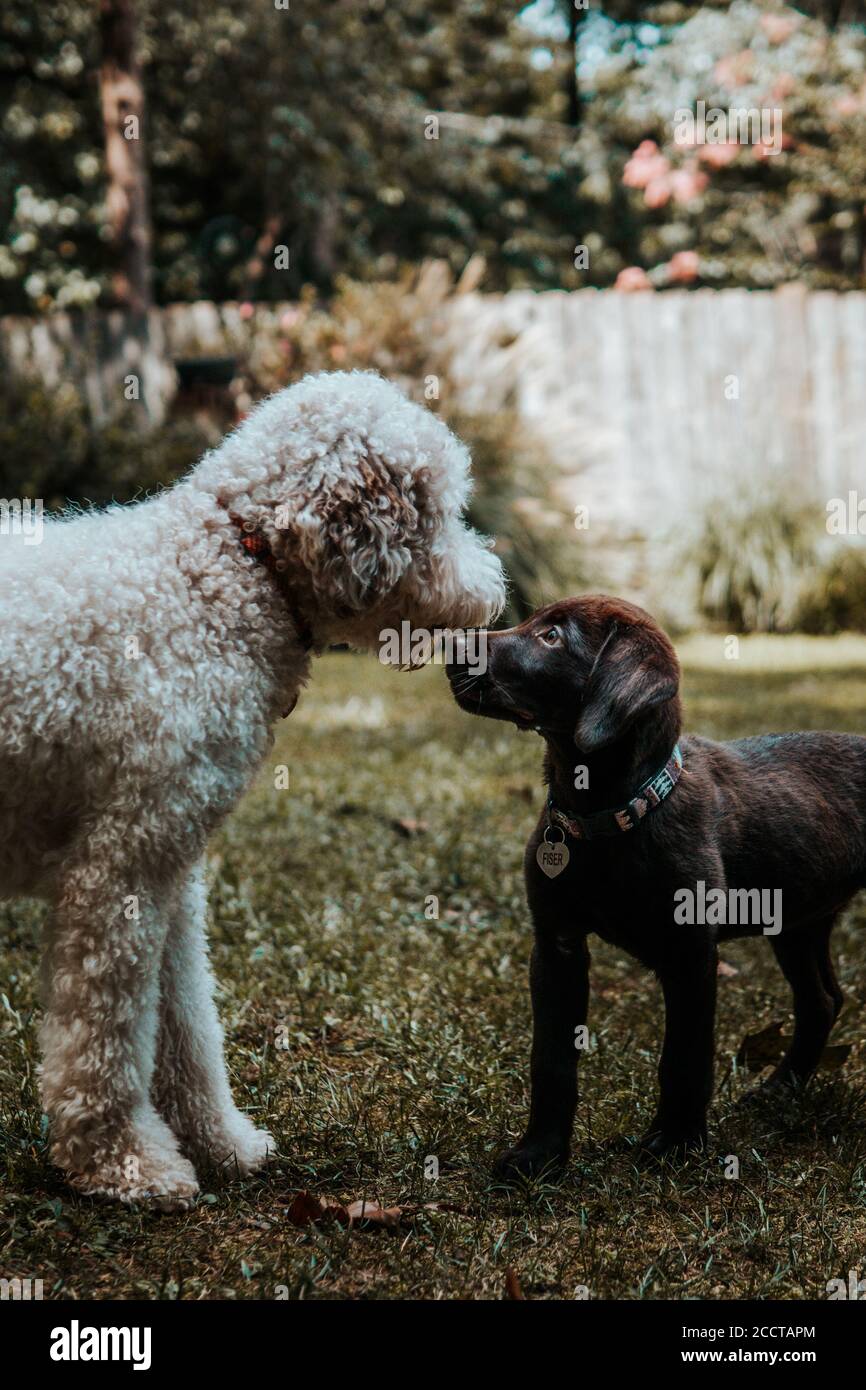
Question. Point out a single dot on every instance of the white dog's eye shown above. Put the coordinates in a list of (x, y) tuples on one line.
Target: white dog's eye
[(552, 637)]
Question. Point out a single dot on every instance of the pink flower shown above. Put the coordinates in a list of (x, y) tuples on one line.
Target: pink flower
[(683, 267), (688, 183), (765, 149), (779, 27), (246, 310), (646, 164), (718, 156), (847, 105), (632, 278), (657, 193), (784, 85), (734, 70)]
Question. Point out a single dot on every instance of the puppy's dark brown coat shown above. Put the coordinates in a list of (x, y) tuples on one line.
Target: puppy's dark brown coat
[(600, 680)]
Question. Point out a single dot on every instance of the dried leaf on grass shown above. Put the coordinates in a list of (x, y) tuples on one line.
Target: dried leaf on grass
[(762, 1049), (365, 1213), (308, 1209), (410, 828), (834, 1056), (766, 1047)]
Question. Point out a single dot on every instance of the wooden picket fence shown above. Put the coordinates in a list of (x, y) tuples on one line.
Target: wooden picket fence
[(651, 404), (654, 404)]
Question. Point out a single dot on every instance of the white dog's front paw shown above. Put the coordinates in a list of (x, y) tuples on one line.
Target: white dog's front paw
[(167, 1186), (139, 1162), (232, 1142), (248, 1148)]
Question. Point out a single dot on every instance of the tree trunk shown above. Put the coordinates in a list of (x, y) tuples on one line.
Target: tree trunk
[(262, 258), (574, 17), (324, 246), (123, 120)]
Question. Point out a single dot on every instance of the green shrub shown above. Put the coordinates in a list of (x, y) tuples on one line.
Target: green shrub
[(44, 441), (49, 450), (535, 536), (762, 562), (835, 600), (749, 558)]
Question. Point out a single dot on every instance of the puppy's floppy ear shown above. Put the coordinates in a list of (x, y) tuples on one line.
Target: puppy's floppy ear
[(635, 670)]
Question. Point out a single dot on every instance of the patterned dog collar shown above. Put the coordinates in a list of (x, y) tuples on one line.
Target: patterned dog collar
[(650, 795)]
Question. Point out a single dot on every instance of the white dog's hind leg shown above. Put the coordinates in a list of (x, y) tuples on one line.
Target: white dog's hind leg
[(105, 940), (191, 1087)]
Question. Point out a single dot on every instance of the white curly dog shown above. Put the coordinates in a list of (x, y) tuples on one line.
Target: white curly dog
[(156, 651)]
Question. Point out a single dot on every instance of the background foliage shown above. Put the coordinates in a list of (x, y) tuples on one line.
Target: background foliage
[(308, 128)]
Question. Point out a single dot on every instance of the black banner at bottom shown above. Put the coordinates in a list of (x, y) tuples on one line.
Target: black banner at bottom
[(83, 1339)]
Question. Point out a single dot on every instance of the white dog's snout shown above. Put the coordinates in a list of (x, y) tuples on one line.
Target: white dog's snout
[(495, 593), (477, 578)]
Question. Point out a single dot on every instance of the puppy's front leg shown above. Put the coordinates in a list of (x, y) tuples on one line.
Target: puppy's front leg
[(686, 1065), (559, 982)]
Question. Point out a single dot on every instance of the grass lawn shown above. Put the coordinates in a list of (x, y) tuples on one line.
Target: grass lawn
[(370, 1037)]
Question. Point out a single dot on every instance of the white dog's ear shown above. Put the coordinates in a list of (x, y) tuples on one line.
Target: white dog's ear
[(355, 533)]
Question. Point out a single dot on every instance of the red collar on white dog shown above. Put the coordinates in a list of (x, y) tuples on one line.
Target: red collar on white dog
[(256, 544)]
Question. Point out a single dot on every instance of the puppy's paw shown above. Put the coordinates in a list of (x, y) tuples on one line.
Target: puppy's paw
[(780, 1088), (660, 1143), (526, 1162)]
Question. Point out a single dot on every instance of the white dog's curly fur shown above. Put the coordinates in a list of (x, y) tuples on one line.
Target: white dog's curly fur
[(153, 657)]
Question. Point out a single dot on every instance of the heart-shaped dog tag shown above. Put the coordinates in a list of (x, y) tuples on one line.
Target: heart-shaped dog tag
[(552, 858)]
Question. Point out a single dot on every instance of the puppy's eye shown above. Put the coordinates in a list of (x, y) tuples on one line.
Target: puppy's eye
[(552, 637)]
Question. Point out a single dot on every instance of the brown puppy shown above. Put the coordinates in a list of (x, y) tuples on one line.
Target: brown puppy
[(664, 848)]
